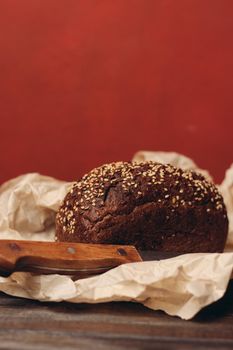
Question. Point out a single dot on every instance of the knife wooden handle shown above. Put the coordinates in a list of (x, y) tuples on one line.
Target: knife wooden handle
[(59, 257)]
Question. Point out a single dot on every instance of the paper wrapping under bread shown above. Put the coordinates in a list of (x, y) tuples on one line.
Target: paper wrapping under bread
[(179, 286)]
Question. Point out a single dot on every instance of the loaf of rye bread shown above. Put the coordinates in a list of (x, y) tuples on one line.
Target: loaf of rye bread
[(149, 205)]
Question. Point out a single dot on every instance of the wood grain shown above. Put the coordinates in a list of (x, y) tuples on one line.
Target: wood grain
[(62, 257), (26, 324)]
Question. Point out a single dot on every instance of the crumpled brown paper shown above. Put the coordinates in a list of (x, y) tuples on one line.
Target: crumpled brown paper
[(179, 286), (28, 205)]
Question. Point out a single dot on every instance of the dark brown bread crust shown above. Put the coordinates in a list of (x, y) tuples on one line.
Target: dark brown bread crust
[(150, 205)]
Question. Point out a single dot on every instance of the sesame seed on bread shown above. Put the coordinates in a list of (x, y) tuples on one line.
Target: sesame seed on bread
[(150, 205)]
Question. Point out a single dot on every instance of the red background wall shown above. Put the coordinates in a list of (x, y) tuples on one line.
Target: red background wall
[(90, 81)]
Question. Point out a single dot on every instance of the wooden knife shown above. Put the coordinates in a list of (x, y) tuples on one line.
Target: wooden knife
[(79, 259)]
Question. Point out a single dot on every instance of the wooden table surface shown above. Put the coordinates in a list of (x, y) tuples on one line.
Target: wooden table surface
[(27, 324)]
